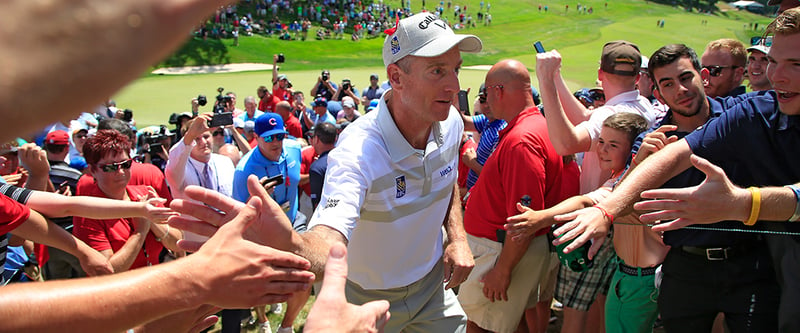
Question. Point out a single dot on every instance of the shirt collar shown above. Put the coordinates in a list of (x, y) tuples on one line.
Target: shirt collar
[(632, 95), (396, 144)]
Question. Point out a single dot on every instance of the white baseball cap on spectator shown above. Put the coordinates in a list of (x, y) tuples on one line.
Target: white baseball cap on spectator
[(424, 35)]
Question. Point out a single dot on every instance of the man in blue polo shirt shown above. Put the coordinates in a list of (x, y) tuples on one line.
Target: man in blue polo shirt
[(489, 127), (756, 142), (275, 155)]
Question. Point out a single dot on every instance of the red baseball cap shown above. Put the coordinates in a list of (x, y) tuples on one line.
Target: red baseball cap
[(58, 137)]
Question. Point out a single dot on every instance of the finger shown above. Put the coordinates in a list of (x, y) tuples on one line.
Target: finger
[(207, 322), (712, 171), (378, 309), (279, 288), (672, 139), (255, 189), (189, 246), (661, 204), (578, 241), (666, 128), (335, 272), (213, 199), (595, 247), (521, 208), (192, 225), (156, 201), (666, 193), (661, 215), (246, 216), (672, 225), (273, 298), (504, 295), (200, 212)]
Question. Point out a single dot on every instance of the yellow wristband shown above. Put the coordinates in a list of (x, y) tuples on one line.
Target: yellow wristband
[(755, 205)]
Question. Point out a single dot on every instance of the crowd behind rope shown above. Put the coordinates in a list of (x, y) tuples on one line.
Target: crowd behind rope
[(307, 153)]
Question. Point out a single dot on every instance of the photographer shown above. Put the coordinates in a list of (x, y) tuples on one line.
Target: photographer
[(281, 87), (324, 87), (153, 143), (347, 90)]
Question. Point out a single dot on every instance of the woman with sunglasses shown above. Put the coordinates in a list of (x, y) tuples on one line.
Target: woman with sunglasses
[(128, 243)]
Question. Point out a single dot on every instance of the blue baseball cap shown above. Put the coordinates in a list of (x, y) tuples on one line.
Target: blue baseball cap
[(269, 124), (320, 101)]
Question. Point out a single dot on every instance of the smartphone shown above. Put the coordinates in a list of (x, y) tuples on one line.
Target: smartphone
[(538, 46), (463, 102), (279, 179)]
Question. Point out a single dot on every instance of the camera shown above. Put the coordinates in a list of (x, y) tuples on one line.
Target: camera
[(281, 58), (202, 100), (153, 140), (346, 85), (325, 75), (127, 115), (220, 117)]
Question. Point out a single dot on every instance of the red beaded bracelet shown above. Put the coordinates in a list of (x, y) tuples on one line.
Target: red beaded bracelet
[(605, 212)]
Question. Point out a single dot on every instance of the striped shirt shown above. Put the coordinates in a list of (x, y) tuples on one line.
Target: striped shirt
[(388, 199), (489, 137)]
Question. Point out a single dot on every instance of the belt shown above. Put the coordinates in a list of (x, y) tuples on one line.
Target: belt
[(716, 253), (630, 270)]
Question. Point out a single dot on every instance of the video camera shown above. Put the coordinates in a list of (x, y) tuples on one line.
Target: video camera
[(153, 140), (221, 117)]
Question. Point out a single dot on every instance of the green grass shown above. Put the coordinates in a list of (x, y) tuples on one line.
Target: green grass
[(516, 25)]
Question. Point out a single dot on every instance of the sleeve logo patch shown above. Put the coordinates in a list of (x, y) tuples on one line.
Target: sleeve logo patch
[(331, 203), (400, 186)]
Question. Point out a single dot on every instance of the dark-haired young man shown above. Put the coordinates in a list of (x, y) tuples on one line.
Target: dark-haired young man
[(323, 141)]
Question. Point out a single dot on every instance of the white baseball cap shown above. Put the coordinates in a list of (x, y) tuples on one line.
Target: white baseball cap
[(425, 35), (759, 47)]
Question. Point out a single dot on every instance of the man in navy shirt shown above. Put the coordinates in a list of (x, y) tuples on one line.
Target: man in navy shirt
[(695, 273), (323, 141), (757, 143)]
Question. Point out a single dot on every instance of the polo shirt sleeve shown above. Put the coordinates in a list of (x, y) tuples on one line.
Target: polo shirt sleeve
[(316, 176), (345, 190), (595, 122), (480, 122), (731, 134), (13, 214)]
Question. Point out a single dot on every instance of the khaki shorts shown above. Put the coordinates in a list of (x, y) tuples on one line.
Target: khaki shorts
[(547, 282), (523, 291)]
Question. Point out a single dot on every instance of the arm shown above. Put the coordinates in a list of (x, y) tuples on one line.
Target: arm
[(574, 109), (274, 71), (565, 137), (654, 171), (470, 159), (316, 181), (42, 231), (56, 205), (307, 119), (126, 255), (121, 301), (529, 221), (457, 256), (715, 199), (469, 123), (315, 88), (154, 29), (175, 171), (241, 142), (168, 237)]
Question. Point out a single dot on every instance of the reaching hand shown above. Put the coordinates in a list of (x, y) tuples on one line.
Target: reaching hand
[(332, 313), (156, 212), (548, 65), (655, 141), (193, 320), (582, 225), (525, 225), (246, 273), (715, 199), (34, 159)]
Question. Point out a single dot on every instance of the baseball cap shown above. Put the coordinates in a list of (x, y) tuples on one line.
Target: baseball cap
[(282, 77), (348, 104), (759, 47), (269, 124), (238, 122), (621, 52), (645, 62), (424, 35), (774, 2), (249, 126), (373, 104), (320, 101), (373, 76), (58, 137)]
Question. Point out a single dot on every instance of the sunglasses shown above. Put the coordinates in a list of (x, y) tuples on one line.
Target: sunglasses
[(218, 133), (597, 95), (758, 40), (482, 99), (279, 137), (717, 70), (112, 167)]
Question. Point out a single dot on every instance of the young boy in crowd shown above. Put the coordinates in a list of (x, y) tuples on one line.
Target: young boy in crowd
[(613, 149)]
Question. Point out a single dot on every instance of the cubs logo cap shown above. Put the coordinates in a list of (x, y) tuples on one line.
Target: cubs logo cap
[(269, 124), (424, 35)]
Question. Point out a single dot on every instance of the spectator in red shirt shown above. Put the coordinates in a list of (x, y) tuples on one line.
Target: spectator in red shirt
[(267, 100), (128, 243), (291, 122)]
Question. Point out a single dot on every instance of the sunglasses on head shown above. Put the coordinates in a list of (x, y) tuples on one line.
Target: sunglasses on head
[(758, 40), (279, 137), (112, 167), (717, 70)]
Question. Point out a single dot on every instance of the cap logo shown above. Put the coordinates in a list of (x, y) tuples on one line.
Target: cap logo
[(625, 60), (273, 122), (431, 19), (395, 45)]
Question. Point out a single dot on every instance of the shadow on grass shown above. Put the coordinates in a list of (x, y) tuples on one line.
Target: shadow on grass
[(199, 52)]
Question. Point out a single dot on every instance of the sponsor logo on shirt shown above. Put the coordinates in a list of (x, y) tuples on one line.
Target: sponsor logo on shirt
[(331, 203), (446, 171), (400, 186)]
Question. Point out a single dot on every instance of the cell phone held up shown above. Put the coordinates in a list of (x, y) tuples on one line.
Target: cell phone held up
[(267, 180), (463, 102), (538, 46)]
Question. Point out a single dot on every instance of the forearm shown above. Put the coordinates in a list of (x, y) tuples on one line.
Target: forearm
[(563, 134), (175, 172), (42, 231), (139, 294), (454, 221), (154, 28), (38, 182), (469, 124), (575, 111), (304, 179), (123, 259), (168, 236), (777, 203), (243, 145), (512, 253), (651, 173), (56, 205), (315, 245), (472, 164)]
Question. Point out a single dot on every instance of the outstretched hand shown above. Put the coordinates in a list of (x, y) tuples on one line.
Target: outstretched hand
[(582, 225), (715, 199), (246, 274), (332, 313), (525, 224)]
